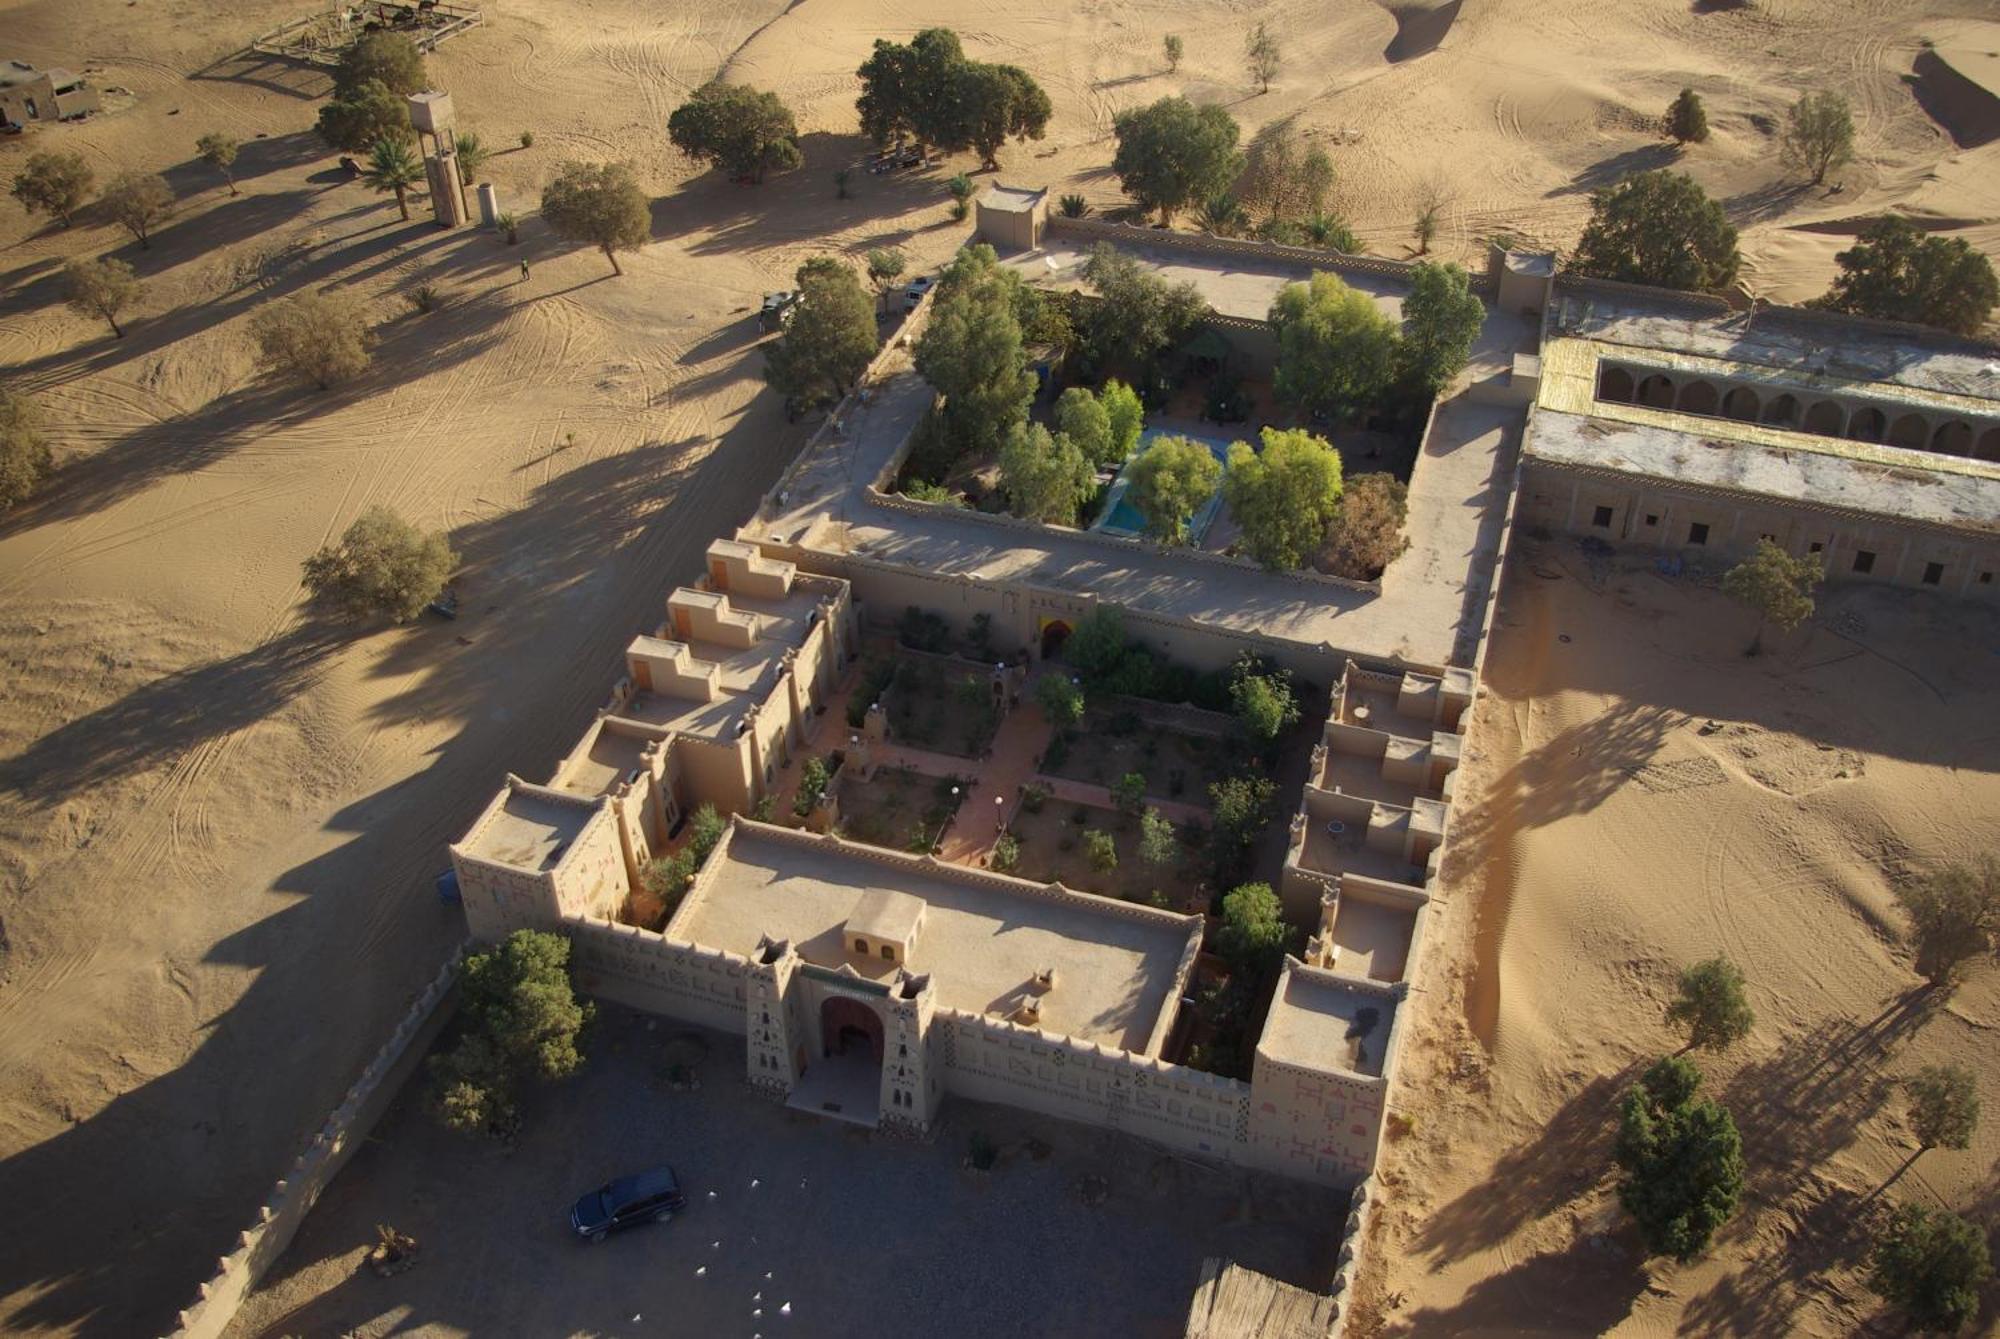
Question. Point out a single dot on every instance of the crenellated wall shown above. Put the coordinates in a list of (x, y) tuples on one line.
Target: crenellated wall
[(664, 976)]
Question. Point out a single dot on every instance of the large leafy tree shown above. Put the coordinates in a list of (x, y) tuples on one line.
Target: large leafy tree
[(1336, 350), (742, 131), (1169, 482), (1658, 228), (1681, 1160), (1046, 477), (971, 352), (1819, 134), (1138, 314), (1173, 153), (365, 116), (1441, 319), (1711, 1004), (1082, 418), (25, 457), (1776, 584), (829, 339), (598, 203), (994, 103), (1944, 1106), (389, 59), (1262, 700), (1932, 1263), (1284, 496), (1127, 415), (53, 184), (1954, 916), (1252, 935), (1896, 272), (926, 90), (382, 565), (520, 1020)]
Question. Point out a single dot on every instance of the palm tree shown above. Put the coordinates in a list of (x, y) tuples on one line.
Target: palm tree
[(393, 167), (472, 154)]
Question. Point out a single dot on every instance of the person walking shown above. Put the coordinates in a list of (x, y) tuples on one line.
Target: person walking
[(524, 271)]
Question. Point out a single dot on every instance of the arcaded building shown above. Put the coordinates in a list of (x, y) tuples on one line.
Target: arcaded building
[(1671, 422)]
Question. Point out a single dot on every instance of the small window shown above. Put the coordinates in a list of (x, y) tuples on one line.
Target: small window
[(1698, 533), (1815, 547), (1601, 518), (1652, 518), (1985, 578), (1864, 560), (860, 945), (1933, 573), (889, 952), (902, 1048)]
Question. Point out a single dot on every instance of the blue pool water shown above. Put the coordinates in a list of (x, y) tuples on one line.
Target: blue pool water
[(1121, 518)]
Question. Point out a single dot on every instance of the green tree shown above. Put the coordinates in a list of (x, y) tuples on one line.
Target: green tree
[(908, 89), (599, 204), (1944, 1106), (740, 130), (520, 1020), (995, 102), (1260, 54), (1658, 228), (472, 154), (53, 184), (1098, 643), (1173, 152), (1253, 934), (1273, 171), (1711, 1004), (1954, 916), (1169, 482), (830, 338), (1263, 702), (1367, 532), (219, 152), (667, 878), (1681, 1159), (813, 776), (25, 458), (1080, 417), (322, 337), (1046, 478), (1819, 135), (1284, 496), (1336, 350), (392, 168), (885, 266), (136, 201), (389, 59), (1686, 122), (1240, 810), (1441, 319), (1775, 584), (971, 352), (1006, 857), (370, 113), (1127, 415), (1101, 850), (382, 565), (1128, 792), (1171, 45), (1060, 699), (1895, 272), (1138, 314), (1931, 1263), (100, 288), (1158, 846)]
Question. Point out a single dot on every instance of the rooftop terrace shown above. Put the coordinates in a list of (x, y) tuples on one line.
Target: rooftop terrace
[(1318, 1021), (526, 830), (984, 937)]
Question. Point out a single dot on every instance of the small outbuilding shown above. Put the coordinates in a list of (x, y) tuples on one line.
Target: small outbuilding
[(1012, 218), (28, 94)]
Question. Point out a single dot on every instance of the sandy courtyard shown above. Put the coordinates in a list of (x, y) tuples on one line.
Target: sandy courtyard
[(219, 818), (1644, 796)]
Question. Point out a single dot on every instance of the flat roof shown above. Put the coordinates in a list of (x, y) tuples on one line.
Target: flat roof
[(1801, 344), (1011, 199), (745, 674), (1908, 491), (984, 937), (1318, 1021), (884, 914), (1232, 285), (614, 753), (527, 831)]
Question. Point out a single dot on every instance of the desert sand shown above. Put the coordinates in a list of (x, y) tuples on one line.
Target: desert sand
[(1643, 796), (219, 818)]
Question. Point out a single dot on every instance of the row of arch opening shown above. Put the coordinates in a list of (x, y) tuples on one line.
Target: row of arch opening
[(1894, 425)]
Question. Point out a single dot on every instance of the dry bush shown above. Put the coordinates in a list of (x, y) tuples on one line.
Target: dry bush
[(322, 337)]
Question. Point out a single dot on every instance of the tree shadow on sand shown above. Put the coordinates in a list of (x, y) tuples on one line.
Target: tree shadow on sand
[(1567, 1156), (1610, 171)]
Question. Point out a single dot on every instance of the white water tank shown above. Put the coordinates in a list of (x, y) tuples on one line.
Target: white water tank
[(489, 204)]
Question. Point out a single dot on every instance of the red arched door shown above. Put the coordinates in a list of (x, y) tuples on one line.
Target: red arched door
[(846, 1024)]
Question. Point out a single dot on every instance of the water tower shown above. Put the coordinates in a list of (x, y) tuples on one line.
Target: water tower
[(430, 114)]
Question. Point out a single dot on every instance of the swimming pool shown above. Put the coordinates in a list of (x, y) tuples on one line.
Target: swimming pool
[(1122, 519)]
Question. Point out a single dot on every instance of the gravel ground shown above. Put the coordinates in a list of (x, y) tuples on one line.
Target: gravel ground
[(859, 1234)]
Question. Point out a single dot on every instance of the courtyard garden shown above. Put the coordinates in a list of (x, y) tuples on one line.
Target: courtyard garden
[(1118, 737), (942, 706), (898, 808), (1111, 852)]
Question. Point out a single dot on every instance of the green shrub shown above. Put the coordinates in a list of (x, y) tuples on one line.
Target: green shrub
[(1101, 850)]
